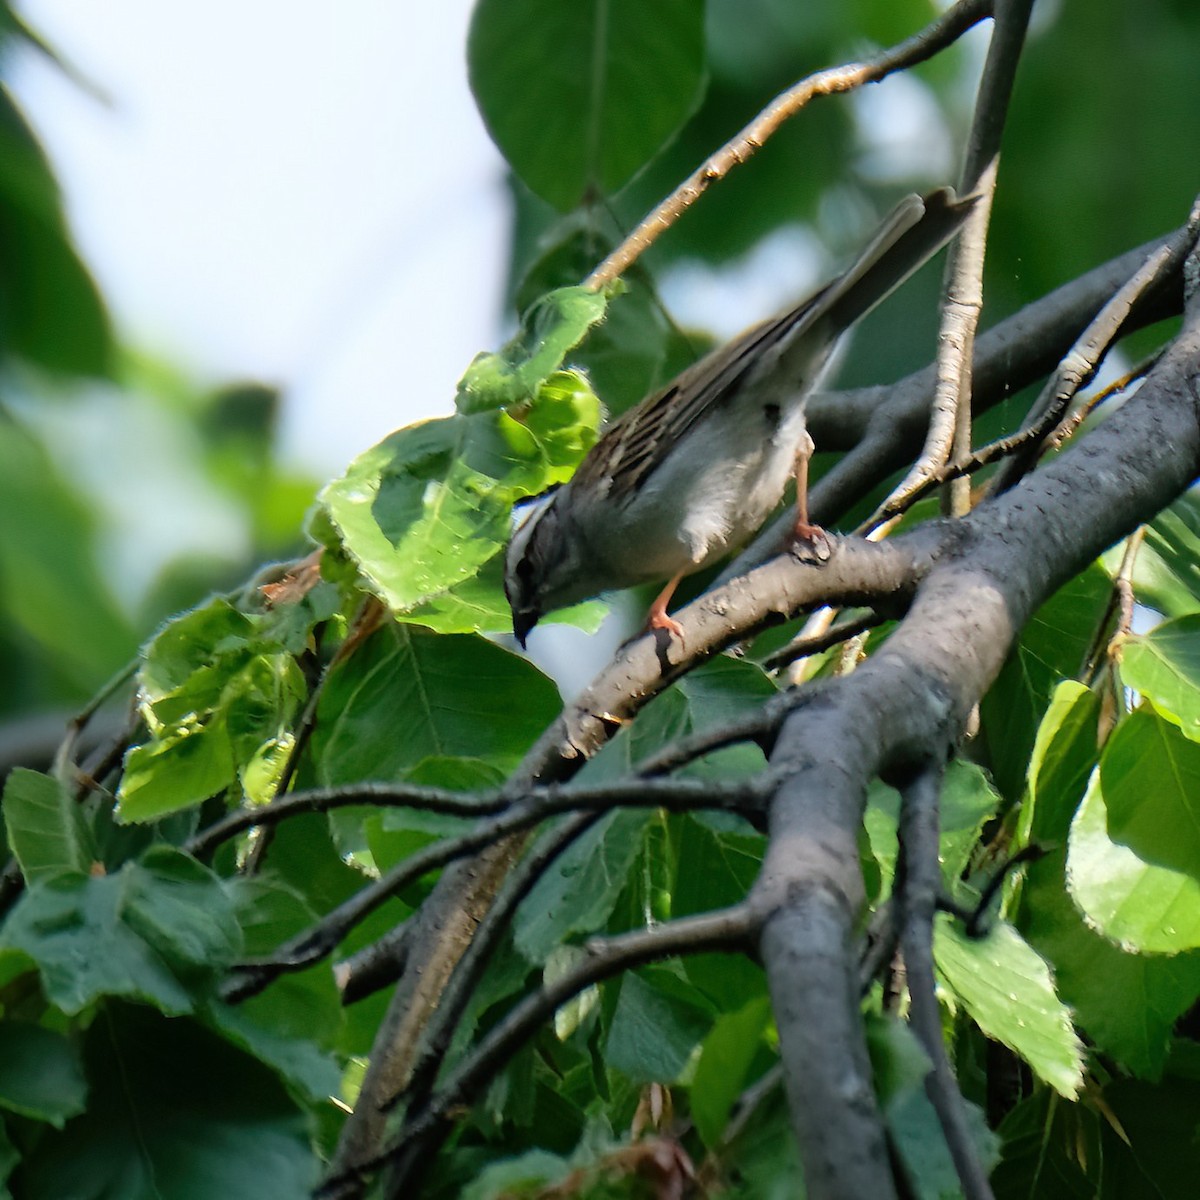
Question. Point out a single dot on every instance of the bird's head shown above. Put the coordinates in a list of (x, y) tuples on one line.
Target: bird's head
[(540, 571)]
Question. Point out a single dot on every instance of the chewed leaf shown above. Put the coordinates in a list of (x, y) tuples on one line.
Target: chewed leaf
[(552, 327), (427, 510)]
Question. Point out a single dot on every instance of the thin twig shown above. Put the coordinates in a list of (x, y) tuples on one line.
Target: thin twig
[(805, 647), (922, 882), (1120, 605), (917, 49), (1079, 366), (64, 757), (949, 433), (676, 795)]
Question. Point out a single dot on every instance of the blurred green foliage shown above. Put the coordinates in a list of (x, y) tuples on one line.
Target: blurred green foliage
[(116, 941)]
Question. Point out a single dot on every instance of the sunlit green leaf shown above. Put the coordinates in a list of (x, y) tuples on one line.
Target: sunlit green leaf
[(1009, 992), (1164, 666), (1134, 903), (429, 506)]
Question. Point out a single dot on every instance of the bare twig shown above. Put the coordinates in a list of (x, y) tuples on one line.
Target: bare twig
[(949, 434), (934, 37), (673, 794), (1086, 355), (64, 758), (919, 838), (805, 647), (1120, 606)]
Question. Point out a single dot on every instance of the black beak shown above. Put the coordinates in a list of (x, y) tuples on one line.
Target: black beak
[(524, 619)]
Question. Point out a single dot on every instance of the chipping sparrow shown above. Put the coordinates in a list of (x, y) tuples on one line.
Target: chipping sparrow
[(694, 469)]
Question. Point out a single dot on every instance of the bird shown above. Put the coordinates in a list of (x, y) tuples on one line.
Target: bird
[(694, 469)]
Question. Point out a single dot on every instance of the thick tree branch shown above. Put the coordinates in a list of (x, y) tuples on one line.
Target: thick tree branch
[(911, 697)]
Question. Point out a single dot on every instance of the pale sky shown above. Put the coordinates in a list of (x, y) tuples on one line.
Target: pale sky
[(280, 194)]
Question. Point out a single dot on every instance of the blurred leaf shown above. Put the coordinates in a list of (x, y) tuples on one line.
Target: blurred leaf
[(1166, 571), (1051, 1151), (578, 97), (578, 891), (50, 311), (426, 509), (1050, 649), (900, 1066), (1164, 666), (145, 1135), (722, 1071), (1150, 776), (451, 695), (45, 827), (40, 1074), (1133, 903), (1009, 993), (653, 1032), (50, 583)]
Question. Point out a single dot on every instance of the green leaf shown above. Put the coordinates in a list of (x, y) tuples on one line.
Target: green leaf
[(1064, 754), (1051, 1151), (967, 801), (51, 585), (407, 695), (653, 1034), (1150, 775), (1166, 572), (580, 96), (51, 313), (527, 1174), (900, 1065), (554, 325), (1164, 665), (140, 933), (1050, 649), (46, 830), (292, 1024), (218, 692), (426, 509), (181, 909), (723, 1069), (1137, 905), (40, 1074), (71, 926), (1127, 1003), (1009, 992), (174, 1111), (176, 771), (579, 890)]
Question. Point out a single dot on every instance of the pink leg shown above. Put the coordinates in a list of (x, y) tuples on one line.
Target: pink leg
[(657, 617), (804, 530)]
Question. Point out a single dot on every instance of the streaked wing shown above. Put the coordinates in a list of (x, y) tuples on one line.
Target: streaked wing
[(642, 437)]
